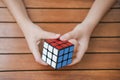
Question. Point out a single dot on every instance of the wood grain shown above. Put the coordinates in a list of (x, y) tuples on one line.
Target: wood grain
[(102, 30), (89, 61), (101, 61), (61, 75), (59, 4), (11, 45), (59, 15)]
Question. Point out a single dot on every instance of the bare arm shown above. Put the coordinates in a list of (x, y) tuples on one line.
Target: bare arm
[(97, 11), (18, 10), (32, 32), (83, 31)]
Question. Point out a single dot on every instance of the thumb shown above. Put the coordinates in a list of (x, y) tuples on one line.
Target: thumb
[(35, 51), (50, 35), (66, 36)]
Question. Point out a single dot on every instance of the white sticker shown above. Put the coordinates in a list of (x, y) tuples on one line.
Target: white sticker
[(54, 58), (50, 55), (53, 64), (48, 61), (55, 51), (44, 58), (44, 51), (50, 48), (45, 45)]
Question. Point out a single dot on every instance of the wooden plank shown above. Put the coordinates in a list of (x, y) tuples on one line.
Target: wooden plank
[(59, 4), (59, 15), (61, 75), (102, 30), (11, 45), (10, 30), (89, 61), (104, 45)]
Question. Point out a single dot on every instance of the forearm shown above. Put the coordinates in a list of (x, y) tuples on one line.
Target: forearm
[(18, 10), (97, 11)]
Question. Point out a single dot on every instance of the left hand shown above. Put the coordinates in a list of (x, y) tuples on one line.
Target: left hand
[(82, 37)]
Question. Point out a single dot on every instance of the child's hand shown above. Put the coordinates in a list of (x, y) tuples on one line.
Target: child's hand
[(33, 35), (82, 37)]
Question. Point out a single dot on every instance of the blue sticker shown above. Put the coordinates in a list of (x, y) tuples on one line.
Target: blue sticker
[(59, 65), (70, 55), (64, 63), (65, 56), (66, 50), (60, 58), (71, 48), (61, 52), (69, 61)]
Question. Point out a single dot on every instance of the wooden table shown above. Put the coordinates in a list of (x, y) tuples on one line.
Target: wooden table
[(101, 61)]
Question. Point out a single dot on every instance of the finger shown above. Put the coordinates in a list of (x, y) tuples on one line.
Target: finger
[(81, 50), (75, 43), (75, 60), (49, 35), (35, 50), (66, 36)]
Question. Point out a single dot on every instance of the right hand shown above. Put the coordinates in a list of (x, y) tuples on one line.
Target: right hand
[(80, 37), (33, 35)]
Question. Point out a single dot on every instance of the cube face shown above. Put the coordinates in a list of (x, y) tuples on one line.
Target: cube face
[(57, 53)]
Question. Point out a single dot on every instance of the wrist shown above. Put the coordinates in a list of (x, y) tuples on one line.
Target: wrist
[(91, 23), (88, 27), (85, 28)]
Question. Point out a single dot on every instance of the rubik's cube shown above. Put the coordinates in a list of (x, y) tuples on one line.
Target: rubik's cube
[(57, 53)]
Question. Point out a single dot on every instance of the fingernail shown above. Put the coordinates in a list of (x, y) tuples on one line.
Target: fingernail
[(62, 38)]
